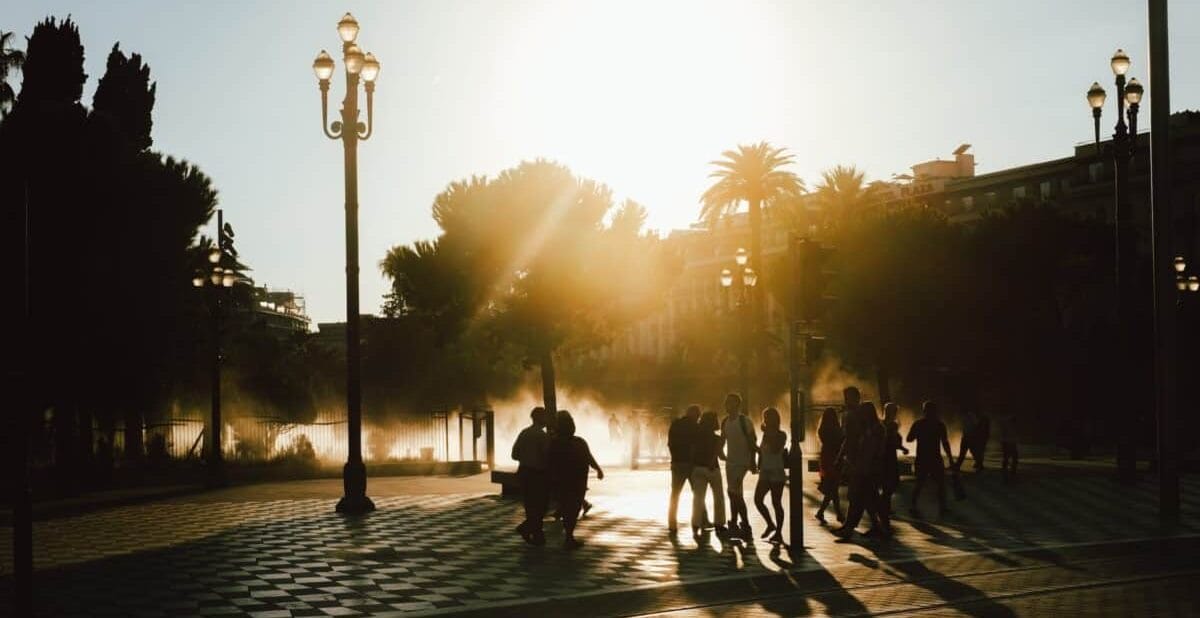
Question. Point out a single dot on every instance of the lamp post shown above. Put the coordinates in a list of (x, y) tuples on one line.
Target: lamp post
[(217, 282), (362, 68), (1122, 148), (745, 285)]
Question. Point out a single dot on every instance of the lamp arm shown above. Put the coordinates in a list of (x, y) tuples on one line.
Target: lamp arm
[(324, 85), (366, 135)]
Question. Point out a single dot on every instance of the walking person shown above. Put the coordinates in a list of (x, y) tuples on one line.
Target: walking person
[(741, 446), (975, 435), (681, 439), (1007, 425), (930, 432), (831, 435), (706, 472), (863, 472), (530, 451), (891, 465), (771, 474), (569, 458)]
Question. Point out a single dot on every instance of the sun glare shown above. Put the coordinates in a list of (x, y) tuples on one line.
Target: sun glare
[(587, 81)]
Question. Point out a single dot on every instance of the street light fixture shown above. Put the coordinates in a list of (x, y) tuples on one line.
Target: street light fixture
[(1121, 150), (218, 282), (746, 284), (360, 67)]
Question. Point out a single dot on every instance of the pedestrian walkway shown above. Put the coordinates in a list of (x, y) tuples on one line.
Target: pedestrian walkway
[(447, 552)]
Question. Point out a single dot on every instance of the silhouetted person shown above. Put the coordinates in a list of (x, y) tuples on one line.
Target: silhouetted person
[(930, 433), (530, 451), (863, 466), (771, 474), (681, 438), (975, 434), (706, 472), (741, 445), (614, 427), (569, 458), (831, 435), (890, 473), (1007, 426)]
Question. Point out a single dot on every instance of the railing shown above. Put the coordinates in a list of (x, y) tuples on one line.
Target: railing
[(428, 437)]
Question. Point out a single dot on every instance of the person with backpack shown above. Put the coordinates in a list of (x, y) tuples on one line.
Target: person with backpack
[(741, 447)]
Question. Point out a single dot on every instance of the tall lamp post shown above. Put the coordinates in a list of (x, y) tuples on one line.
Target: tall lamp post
[(365, 68), (217, 282), (745, 285), (1123, 144)]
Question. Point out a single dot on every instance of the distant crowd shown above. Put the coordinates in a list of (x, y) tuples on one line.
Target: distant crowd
[(858, 450)]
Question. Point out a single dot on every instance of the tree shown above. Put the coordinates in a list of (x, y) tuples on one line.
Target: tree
[(752, 174), (114, 227), (525, 265), (843, 195), (10, 60)]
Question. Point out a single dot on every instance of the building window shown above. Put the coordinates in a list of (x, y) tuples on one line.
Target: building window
[(1044, 189), (990, 197), (1065, 185), (1095, 171), (968, 202), (1018, 192)]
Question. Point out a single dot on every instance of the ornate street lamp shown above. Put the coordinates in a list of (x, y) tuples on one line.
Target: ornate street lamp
[(217, 282), (747, 282), (362, 68), (1122, 149)]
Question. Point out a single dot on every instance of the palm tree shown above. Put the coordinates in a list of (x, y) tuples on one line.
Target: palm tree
[(10, 60), (753, 174), (843, 193)]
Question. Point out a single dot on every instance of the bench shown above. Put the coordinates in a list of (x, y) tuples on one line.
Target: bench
[(510, 483)]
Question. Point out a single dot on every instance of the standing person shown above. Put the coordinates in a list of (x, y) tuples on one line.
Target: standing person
[(1008, 445), (891, 465), (930, 433), (569, 458), (831, 435), (741, 445), (772, 475), (681, 439), (852, 428), (706, 472), (530, 452), (863, 471)]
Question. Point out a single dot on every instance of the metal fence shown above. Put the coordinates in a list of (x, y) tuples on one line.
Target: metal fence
[(434, 436)]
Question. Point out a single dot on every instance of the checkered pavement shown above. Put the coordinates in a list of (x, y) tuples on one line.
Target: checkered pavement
[(446, 552)]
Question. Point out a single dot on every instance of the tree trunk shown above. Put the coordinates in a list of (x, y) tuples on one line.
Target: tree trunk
[(881, 377), (549, 400)]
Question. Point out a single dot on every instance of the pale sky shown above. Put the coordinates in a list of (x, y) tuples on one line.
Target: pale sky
[(639, 95)]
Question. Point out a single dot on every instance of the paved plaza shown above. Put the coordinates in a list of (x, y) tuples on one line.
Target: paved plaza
[(447, 545)]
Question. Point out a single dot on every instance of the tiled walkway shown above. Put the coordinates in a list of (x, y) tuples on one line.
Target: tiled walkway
[(442, 552)]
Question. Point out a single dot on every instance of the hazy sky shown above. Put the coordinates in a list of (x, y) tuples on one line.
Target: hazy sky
[(639, 95)]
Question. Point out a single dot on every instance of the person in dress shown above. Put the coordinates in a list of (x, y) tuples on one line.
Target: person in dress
[(830, 433)]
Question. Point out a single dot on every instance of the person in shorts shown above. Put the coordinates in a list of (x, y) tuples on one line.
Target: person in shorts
[(772, 475)]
